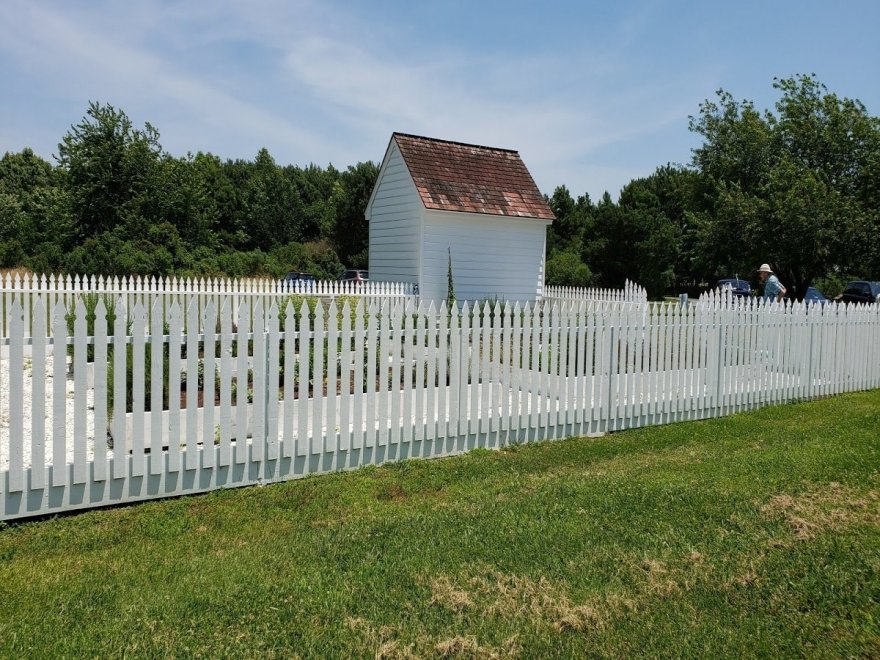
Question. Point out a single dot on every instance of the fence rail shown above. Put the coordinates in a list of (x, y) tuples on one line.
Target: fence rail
[(136, 402)]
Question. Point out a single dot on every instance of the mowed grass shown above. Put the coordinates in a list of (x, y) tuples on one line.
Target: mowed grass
[(757, 534)]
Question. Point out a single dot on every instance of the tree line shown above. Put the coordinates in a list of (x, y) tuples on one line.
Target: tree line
[(115, 203), (797, 186)]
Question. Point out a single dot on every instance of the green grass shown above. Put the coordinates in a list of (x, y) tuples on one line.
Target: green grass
[(755, 535)]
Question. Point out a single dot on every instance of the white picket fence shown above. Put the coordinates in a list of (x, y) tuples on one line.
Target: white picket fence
[(182, 399), (68, 288), (719, 296), (631, 293)]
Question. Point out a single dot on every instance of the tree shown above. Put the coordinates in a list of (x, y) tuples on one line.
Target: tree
[(797, 189), (351, 231), (36, 227), (182, 198), (573, 221), (607, 250), (272, 206), (652, 219), (110, 167)]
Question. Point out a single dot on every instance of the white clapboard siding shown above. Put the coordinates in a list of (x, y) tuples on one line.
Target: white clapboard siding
[(487, 263), (374, 383), (394, 214)]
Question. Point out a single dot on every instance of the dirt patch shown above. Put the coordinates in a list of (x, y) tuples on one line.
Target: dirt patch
[(383, 639), (444, 594), (394, 650), (828, 507), (695, 557), (391, 493), (659, 579), (457, 647), (468, 647), (514, 596), (388, 645)]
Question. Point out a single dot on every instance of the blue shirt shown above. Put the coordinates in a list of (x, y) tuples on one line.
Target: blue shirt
[(772, 287)]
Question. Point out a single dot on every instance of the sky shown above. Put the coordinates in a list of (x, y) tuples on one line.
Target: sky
[(592, 94)]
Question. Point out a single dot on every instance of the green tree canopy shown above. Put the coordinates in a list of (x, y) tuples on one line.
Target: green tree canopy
[(796, 188), (110, 169)]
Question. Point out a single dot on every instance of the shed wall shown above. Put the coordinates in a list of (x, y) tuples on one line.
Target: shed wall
[(492, 256), (395, 223)]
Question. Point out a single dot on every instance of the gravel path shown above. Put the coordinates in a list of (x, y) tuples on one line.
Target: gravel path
[(688, 387), (27, 414)]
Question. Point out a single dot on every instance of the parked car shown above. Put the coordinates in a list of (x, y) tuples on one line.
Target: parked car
[(814, 297), (296, 279), (355, 276), (741, 288), (860, 292)]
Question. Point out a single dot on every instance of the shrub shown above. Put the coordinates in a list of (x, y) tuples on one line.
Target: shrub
[(566, 269)]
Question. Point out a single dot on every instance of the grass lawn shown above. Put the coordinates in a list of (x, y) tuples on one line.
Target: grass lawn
[(757, 534)]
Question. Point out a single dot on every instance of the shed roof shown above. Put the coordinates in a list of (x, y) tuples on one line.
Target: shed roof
[(453, 176)]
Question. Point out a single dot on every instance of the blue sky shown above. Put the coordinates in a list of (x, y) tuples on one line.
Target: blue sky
[(592, 94)]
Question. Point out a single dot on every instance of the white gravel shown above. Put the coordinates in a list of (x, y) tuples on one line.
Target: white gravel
[(5, 412)]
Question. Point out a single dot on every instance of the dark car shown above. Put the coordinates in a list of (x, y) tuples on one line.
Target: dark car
[(740, 288), (814, 297), (355, 276), (296, 279), (860, 292)]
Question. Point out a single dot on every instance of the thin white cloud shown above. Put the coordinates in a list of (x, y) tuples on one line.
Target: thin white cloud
[(333, 85), (449, 101), (104, 65)]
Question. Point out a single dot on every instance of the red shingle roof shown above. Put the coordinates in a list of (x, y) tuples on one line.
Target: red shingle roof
[(452, 176)]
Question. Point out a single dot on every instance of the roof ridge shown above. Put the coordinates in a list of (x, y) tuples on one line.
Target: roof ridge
[(461, 144)]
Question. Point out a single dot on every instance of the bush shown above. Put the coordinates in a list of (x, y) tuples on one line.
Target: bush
[(566, 269), (317, 258)]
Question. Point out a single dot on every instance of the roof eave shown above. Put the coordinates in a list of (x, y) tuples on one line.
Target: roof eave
[(504, 216)]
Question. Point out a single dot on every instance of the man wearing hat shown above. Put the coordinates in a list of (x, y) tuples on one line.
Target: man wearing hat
[(773, 289)]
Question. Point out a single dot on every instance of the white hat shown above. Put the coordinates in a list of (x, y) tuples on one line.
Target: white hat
[(765, 268)]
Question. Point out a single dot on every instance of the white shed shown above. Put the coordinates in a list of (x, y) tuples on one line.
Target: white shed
[(435, 197)]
